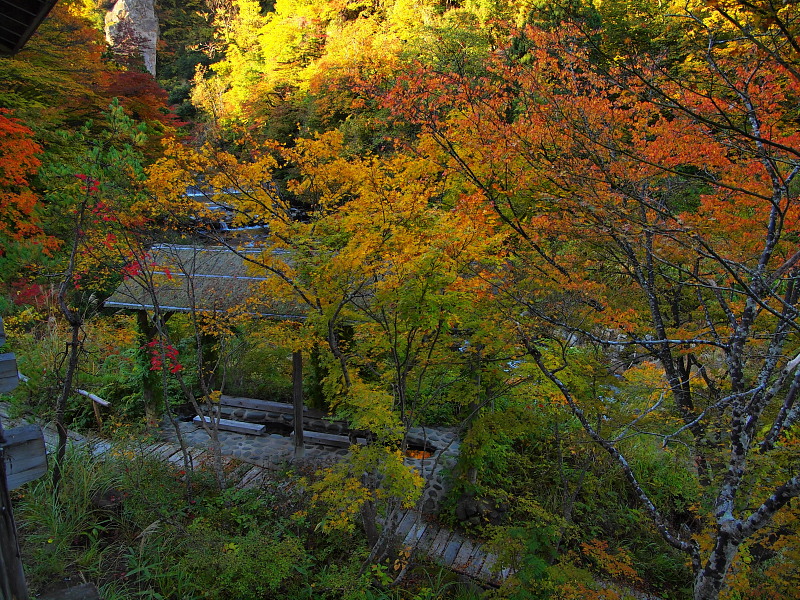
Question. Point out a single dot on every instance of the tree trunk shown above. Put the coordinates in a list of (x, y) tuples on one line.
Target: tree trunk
[(708, 583), (297, 398), (710, 580), (369, 517), (73, 354), (151, 394)]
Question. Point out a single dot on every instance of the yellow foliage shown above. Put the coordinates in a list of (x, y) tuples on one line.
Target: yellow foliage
[(342, 491)]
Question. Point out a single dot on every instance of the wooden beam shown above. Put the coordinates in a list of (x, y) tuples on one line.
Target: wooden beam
[(8, 372), (237, 426), (94, 398), (25, 455), (330, 439), (297, 398), (257, 404)]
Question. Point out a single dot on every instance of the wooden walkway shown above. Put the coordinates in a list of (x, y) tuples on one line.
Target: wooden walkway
[(442, 545), (415, 531), (449, 548)]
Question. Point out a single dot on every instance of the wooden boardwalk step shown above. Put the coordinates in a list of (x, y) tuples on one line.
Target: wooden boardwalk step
[(415, 533), (152, 449), (250, 478), (328, 439), (406, 522), (166, 451), (464, 555), (427, 539), (474, 563), (440, 542), (236, 426), (451, 549), (487, 570), (256, 404)]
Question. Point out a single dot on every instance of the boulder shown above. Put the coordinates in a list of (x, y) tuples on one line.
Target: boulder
[(473, 510)]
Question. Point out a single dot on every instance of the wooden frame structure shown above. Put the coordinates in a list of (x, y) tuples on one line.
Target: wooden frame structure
[(19, 19), (211, 279)]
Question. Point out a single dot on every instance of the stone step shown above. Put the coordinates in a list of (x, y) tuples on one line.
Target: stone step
[(236, 426)]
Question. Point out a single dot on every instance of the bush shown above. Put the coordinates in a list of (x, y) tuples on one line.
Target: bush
[(69, 533), (246, 567)]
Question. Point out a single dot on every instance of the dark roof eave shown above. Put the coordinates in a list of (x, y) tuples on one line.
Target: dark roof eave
[(13, 39)]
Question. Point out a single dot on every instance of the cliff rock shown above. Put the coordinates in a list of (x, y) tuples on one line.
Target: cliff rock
[(132, 29)]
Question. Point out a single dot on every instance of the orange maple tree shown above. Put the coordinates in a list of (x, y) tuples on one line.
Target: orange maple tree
[(653, 210), (19, 221)]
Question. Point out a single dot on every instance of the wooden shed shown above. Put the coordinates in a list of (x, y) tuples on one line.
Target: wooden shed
[(205, 279)]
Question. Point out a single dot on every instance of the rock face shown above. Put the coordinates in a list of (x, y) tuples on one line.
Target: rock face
[(132, 28)]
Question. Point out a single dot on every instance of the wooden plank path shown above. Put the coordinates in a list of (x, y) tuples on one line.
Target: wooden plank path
[(448, 548)]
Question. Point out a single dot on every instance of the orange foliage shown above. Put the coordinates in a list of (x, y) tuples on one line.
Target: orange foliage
[(18, 203), (585, 166)]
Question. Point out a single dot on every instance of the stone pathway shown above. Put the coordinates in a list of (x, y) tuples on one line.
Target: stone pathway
[(272, 450)]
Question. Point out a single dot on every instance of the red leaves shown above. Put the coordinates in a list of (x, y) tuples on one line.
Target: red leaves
[(25, 292), (136, 266), (161, 352), (101, 209), (18, 204), (92, 185), (131, 270)]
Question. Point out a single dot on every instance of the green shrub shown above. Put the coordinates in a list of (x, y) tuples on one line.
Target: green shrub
[(60, 535), (249, 566)]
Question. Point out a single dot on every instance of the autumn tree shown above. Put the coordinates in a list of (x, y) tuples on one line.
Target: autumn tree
[(60, 82), (56, 80), (98, 191), (652, 208), (381, 267), (20, 206)]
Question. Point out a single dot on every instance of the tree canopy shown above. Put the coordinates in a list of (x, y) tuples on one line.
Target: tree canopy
[(567, 230)]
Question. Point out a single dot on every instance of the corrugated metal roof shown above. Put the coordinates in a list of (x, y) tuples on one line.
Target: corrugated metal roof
[(203, 278)]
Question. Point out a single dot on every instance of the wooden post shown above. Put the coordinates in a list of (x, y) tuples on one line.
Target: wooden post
[(297, 397), (12, 577)]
